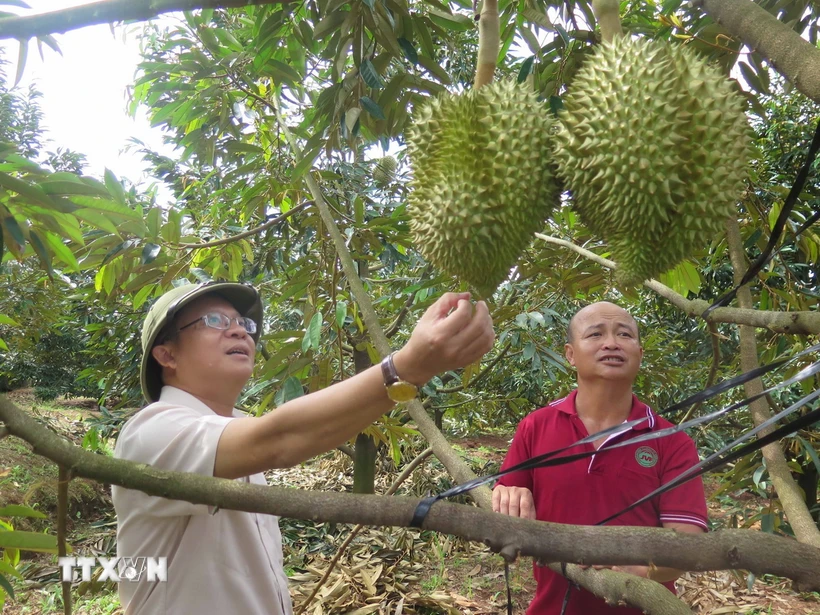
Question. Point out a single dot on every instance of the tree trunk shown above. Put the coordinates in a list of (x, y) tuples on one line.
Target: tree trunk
[(364, 465), (808, 483), (805, 529)]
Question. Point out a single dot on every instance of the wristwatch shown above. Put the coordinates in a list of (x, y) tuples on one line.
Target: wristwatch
[(397, 389)]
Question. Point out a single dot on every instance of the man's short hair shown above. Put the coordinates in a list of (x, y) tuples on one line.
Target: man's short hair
[(570, 336)]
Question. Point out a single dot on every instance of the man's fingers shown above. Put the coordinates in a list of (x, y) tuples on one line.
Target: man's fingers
[(444, 304), (456, 320)]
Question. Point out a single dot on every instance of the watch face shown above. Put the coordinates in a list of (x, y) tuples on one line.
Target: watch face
[(402, 391)]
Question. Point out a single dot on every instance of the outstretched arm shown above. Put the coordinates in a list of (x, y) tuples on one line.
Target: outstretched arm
[(452, 333)]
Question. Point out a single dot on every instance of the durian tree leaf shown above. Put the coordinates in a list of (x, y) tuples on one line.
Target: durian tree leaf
[(535, 16), (426, 40), (28, 541), (4, 583), (13, 228), (34, 193), (372, 107), (21, 61), (42, 252), (435, 69), (329, 24), (341, 313), (305, 163), (370, 75), (409, 50), (526, 69), (456, 23), (18, 510), (751, 78), (62, 251)]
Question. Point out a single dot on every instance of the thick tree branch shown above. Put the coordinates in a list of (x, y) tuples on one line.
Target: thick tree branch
[(805, 529), (804, 323), (547, 542), (107, 11), (794, 57)]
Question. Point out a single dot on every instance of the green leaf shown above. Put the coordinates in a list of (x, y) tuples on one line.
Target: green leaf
[(114, 187), (28, 541), (9, 569), (42, 252), (4, 583), (6, 320), (21, 61), (329, 23), (435, 69), (311, 339), (18, 510), (62, 251), (341, 313), (371, 76), (409, 50), (372, 107), (456, 23), (97, 219), (526, 69), (305, 163), (142, 295), (3, 345), (106, 206), (810, 451), (149, 253), (13, 227), (33, 193), (291, 390)]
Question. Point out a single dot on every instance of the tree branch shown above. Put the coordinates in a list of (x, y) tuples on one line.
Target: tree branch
[(803, 323), (107, 11), (242, 235), (805, 529), (794, 57), (547, 542)]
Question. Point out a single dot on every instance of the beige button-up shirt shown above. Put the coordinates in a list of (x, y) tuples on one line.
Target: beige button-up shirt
[(218, 563)]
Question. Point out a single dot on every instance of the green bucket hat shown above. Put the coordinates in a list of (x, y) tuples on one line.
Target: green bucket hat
[(243, 297)]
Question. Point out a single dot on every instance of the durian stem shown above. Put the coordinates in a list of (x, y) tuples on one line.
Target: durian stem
[(489, 43), (607, 12)]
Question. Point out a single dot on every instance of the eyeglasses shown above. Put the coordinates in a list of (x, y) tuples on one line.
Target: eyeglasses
[(217, 320)]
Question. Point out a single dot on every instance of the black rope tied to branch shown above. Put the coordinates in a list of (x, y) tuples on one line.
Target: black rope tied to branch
[(779, 225)]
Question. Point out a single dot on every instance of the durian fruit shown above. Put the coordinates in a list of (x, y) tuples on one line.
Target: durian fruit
[(483, 180), (384, 173), (653, 146)]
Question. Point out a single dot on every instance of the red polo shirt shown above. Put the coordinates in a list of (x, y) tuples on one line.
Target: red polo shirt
[(588, 490)]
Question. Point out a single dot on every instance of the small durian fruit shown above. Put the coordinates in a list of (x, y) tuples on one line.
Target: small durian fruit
[(483, 181), (654, 147), (384, 173)]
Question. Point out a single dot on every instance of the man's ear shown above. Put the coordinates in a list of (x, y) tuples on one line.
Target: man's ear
[(164, 356), (569, 353)]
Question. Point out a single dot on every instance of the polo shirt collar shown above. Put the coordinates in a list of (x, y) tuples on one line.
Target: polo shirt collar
[(639, 410), (178, 397)]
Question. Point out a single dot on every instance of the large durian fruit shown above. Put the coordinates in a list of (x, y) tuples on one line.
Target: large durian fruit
[(653, 146), (483, 180)]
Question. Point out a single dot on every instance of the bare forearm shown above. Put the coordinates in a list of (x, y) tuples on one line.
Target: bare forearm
[(323, 420)]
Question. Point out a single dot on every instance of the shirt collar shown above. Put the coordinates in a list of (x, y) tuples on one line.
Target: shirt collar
[(639, 410), (178, 397)]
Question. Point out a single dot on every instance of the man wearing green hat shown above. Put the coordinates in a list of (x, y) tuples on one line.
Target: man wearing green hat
[(198, 352)]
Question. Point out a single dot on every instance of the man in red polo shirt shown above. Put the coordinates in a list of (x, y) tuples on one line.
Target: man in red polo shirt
[(603, 344)]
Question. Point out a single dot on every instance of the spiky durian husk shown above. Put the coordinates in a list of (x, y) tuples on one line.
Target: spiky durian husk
[(483, 181), (385, 171), (654, 147)]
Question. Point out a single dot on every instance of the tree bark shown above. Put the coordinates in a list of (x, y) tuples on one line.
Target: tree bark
[(805, 529), (793, 57), (107, 11), (803, 323), (547, 542)]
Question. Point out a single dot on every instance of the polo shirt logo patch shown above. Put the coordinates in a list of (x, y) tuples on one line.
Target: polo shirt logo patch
[(646, 456)]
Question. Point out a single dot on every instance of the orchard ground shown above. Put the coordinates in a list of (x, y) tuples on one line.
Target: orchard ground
[(384, 570)]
